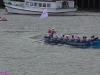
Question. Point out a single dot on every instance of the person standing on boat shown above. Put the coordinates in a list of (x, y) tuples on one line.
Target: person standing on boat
[(49, 31), (52, 33)]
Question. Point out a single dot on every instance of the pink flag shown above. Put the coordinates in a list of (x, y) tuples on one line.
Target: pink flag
[(44, 14)]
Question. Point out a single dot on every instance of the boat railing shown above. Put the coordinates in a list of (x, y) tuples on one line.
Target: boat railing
[(18, 0), (15, 3), (47, 0)]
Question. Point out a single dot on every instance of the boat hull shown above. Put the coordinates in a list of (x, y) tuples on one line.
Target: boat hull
[(74, 43)]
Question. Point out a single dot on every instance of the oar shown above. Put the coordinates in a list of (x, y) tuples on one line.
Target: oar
[(38, 40)]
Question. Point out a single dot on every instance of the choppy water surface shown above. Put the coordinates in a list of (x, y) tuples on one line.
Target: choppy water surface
[(21, 53)]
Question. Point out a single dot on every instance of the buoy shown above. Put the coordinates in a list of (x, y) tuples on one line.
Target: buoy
[(3, 19)]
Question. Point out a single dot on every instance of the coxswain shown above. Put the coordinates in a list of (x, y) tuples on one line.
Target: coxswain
[(52, 33), (49, 31)]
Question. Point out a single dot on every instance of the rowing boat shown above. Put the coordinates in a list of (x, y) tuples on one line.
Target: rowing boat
[(75, 43)]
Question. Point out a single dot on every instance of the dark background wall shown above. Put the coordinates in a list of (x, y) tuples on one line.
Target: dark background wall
[(1, 3), (88, 4), (82, 4)]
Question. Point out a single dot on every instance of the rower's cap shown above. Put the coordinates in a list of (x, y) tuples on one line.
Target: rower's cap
[(56, 34), (78, 36), (67, 35)]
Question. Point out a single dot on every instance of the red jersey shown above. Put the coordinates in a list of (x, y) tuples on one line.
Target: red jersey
[(49, 31)]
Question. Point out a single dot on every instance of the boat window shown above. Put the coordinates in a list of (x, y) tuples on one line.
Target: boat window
[(18, 0), (31, 3), (40, 4), (27, 3), (48, 5), (44, 5), (35, 4)]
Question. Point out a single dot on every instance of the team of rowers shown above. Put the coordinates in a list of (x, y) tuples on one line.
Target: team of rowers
[(51, 33)]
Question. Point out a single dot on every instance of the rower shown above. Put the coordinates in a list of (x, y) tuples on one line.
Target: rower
[(66, 37), (92, 37), (62, 36), (84, 38), (78, 38), (56, 36), (73, 38)]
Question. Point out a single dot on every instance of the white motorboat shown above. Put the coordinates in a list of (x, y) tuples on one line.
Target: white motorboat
[(55, 7)]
